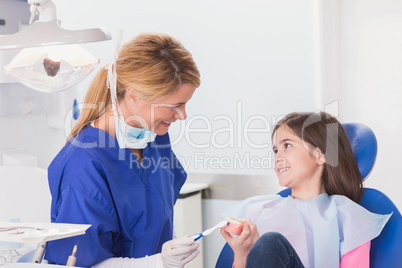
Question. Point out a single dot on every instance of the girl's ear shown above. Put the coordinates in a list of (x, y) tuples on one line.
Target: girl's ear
[(319, 156)]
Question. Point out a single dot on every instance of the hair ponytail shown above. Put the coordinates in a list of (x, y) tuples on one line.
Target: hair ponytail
[(96, 102)]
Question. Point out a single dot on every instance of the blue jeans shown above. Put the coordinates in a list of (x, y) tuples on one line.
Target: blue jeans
[(273, 250)]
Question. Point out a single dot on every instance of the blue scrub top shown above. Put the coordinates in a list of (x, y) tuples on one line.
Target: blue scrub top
[(130, 206)]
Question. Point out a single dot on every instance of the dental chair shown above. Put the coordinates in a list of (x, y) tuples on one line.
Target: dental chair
[(386, 249)]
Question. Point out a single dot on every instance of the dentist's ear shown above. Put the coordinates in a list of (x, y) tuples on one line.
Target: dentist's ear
[(131, 95)]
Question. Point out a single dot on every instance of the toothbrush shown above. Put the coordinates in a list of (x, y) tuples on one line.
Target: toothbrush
[(209, 231)]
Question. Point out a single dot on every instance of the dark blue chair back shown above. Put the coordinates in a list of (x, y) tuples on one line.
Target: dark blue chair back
[(386, 249)]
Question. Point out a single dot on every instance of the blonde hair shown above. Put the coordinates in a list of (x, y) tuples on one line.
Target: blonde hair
[(153, 65)]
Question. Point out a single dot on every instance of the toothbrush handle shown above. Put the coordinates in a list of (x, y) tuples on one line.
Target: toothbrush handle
[(198, 237)]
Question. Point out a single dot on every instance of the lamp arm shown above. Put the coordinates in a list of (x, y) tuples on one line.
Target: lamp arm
[(45, 8)]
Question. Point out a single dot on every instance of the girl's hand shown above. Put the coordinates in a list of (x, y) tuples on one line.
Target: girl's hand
[(242, 244)]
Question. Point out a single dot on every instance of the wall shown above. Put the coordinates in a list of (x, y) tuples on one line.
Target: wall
[(256, 63), (246, 60), (371, 92)]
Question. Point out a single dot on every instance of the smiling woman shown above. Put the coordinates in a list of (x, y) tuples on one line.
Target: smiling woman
[(117, 171), (158, 114)]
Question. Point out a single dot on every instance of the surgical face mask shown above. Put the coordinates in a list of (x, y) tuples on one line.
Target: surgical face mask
[(126, 135), (132, 137)]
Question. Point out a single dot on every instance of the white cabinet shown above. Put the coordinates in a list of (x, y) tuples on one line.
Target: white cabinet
[(188, 216)]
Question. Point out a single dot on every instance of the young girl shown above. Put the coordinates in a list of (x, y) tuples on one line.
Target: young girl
[(320, 224)]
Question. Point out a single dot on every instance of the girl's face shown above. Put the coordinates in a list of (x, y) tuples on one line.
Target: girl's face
[(157, 115), (298, 165)]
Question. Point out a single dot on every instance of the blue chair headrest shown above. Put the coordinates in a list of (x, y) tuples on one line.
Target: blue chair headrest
[(364, 146)]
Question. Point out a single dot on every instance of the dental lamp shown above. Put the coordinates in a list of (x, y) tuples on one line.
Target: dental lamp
[(50, 59)]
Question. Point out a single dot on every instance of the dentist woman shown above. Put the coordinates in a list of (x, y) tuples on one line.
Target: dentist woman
[(117, 171)]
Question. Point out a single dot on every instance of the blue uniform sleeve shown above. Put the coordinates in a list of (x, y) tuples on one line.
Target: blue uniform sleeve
[(180, 175), (130, 209), (81, 194), (163, 143), (93, 247)]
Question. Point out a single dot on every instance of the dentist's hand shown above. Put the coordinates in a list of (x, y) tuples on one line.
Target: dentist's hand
[(177, 252)]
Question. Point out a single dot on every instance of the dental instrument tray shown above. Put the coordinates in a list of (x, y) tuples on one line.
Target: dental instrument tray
[(37, 232)]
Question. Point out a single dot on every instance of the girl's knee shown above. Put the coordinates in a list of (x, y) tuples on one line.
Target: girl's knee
[(273, 250), (272, 237), (271, 241)]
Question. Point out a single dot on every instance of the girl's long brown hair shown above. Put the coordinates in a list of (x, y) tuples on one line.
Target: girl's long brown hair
[(341, 174), (153, 65)]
